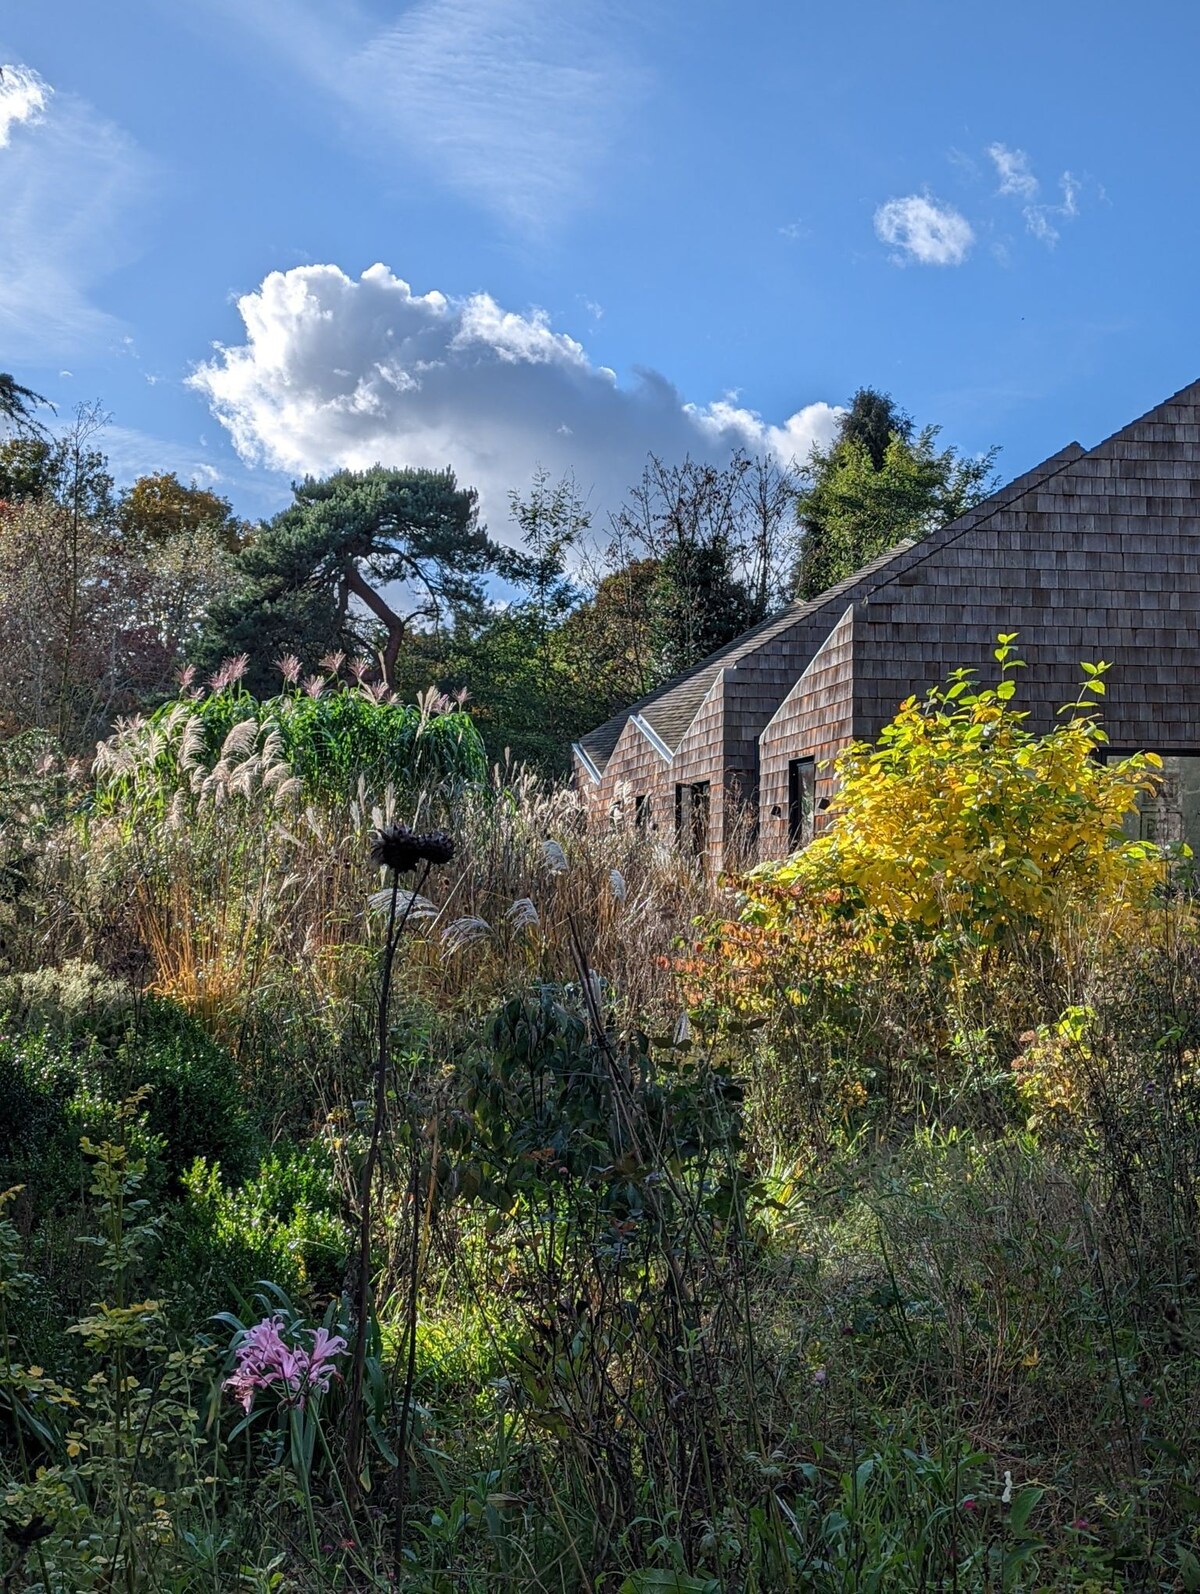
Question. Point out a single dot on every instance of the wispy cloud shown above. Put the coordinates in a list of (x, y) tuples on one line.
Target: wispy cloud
[(336, 372), (1012, 168), (1042, 220), (924, 230), (23, 97), (66, 186), (1018, 181), (514, 103)]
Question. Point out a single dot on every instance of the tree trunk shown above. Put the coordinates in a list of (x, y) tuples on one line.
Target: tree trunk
[(387, 617)]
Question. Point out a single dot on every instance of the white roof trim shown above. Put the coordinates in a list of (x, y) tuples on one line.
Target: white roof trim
[(652, 736), (590, 769)]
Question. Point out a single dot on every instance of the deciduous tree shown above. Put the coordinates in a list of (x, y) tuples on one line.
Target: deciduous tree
[(878, 485)]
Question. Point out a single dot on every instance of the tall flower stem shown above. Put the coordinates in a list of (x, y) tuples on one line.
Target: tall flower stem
[(410, 1372), (395, 931)]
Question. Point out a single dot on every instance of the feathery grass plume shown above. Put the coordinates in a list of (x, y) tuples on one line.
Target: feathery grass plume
[(460, 933), (522, 915)]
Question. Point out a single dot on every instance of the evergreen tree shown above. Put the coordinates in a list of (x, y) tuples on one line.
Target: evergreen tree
[(388, 540)]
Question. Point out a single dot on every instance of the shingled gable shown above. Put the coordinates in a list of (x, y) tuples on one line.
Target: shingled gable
[(1092, 554), (670, 709)]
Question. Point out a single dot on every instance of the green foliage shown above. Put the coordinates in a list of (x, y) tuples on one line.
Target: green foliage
[(721, 540), (108, 1475), (552, 1119), (282, 1223), (350, 536), (878, 486), (18, 404), (325, 745), (68, 1079)]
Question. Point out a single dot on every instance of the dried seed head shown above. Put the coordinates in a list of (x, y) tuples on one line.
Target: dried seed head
[(400, 848), (437, 846), (396, 847)]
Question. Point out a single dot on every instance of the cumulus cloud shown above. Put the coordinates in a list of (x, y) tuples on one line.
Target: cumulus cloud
[(1012, 168), (65, 191), (23, 97), (337, 372), (513, 103), (923, 229)]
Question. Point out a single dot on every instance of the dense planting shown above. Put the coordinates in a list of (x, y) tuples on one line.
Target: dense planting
[(504, 1206)]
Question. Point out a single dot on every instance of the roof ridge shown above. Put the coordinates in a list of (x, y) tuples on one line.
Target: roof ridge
[(884, 566)]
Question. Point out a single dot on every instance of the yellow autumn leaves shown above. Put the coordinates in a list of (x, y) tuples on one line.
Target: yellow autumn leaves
[(964, 826)]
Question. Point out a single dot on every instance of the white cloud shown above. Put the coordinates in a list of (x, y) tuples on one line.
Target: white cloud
[(23, 97), (337, 372), (1041, 219), (923, 229), (65, 190), (1012, 168), (514, 103), (1017, 181)]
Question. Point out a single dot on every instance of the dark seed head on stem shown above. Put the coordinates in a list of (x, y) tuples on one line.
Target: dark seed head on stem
[(401, 849)]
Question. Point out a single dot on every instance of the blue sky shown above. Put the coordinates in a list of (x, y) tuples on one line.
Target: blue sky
[(622, 226)]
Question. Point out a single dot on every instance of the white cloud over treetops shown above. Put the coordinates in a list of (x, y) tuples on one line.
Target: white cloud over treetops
[(923, 230), (23, 97), (337, 372)]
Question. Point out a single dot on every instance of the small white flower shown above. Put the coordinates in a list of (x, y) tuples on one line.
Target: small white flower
[(1006, 1497)]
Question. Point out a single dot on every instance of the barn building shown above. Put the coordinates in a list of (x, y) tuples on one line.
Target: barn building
[(1093, 554)]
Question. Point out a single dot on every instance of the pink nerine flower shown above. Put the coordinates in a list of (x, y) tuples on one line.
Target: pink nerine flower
[(265, 1360), (320, 1370)]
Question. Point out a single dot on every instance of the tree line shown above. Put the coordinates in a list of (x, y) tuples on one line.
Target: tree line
[(106, 595)]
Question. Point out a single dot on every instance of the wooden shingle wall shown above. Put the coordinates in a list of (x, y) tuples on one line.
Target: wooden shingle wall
[(1101, 562), (635, 769), (815, 720)]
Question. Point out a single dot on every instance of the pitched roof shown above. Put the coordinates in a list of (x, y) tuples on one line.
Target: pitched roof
[(672, 707)]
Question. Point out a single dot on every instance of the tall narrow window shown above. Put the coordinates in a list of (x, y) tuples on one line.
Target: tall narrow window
[(802, 791), (691, 817), (642, 812)]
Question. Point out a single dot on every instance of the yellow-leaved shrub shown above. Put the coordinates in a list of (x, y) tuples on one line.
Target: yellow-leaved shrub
[(963, 826)]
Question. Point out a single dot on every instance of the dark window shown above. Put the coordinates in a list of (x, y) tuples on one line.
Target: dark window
[(802, 791), (642, 812), (1171, 813), (691, 817)]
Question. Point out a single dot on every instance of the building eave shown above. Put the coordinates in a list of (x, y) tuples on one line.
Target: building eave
[(589, 768), (652, 736)]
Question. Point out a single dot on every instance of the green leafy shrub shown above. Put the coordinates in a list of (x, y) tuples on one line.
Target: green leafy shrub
[(89, 1050), (321, 744), (221, 1238)]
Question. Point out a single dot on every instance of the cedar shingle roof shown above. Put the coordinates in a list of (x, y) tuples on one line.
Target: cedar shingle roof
[(671, 708)]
